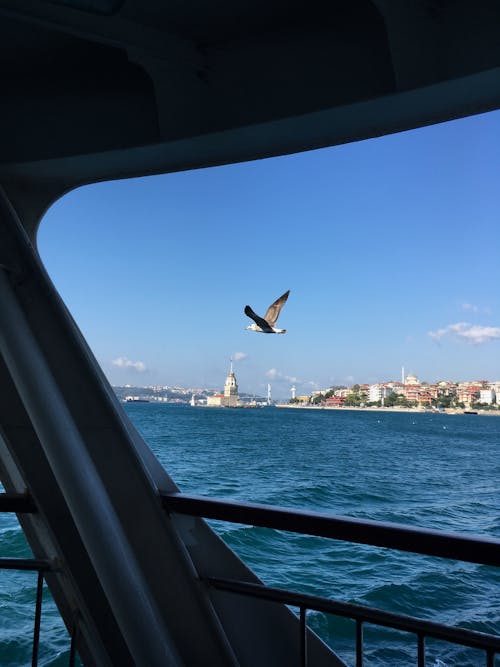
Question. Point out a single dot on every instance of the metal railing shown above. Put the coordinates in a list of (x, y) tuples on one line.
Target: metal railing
[(474, 549), (24, 504)]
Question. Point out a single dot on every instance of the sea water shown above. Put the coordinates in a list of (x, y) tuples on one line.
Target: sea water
[(431, 470)]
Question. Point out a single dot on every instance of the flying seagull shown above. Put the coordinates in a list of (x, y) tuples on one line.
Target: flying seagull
[(266, 324)]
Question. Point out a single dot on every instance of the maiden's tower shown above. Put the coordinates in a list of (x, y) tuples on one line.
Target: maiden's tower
[(229, 399)]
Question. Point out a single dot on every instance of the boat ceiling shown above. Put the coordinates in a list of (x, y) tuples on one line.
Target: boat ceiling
[(102, 89)]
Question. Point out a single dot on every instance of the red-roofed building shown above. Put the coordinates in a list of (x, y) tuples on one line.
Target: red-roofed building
[(335, 401), (468, 395)]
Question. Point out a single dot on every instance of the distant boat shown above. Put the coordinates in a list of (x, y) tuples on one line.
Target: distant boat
[(131, 399), (470, 412)]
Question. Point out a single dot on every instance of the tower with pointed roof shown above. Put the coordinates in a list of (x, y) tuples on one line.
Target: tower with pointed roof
[(231, 389)]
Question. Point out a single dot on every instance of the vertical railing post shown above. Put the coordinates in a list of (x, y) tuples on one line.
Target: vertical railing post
[(421, 650), (303, 637), (72, 648), (490, 658), (359, 643), (38, 617)]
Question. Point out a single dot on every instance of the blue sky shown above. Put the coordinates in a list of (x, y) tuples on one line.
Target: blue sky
[(390, 248)]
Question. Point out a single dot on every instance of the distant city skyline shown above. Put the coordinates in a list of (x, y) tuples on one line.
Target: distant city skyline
[(389, 247), (386, 381)]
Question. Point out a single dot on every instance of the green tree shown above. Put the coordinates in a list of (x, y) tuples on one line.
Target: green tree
[(398, 400), (353, 400)]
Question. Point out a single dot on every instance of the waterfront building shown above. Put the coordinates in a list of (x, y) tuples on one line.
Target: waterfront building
[(231, 389), (446, 388), (230, 397), (318, 392), (468, 394), (411, 391), (377, 392), (419, 395), (215, 401), (487, 396), (496, 388), (335, 401), (411, 394), (424, 398)]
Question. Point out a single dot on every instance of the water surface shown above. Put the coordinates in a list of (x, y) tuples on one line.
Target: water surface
[(434, 471)]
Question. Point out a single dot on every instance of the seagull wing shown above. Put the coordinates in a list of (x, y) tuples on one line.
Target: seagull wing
[(259, 321), (274, 309)]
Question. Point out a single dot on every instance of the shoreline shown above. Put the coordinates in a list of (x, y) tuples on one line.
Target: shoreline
[(447, 411)]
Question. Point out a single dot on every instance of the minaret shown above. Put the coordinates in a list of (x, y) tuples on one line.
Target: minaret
[(231, 389), (293, 392), (403, 375), (269, 394)]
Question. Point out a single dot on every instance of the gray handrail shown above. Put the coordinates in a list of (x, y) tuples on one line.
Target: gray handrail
[(473, 549)]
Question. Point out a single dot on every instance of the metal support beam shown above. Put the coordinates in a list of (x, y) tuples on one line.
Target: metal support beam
[(86, 497)]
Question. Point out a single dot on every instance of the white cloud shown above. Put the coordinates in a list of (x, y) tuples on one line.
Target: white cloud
[(239, 356), (478, 334), (123, 362), (274, 374), (471, 307), (471, 333)]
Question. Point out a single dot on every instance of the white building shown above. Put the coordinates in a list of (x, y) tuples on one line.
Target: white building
[(377, 392), (487, 396), (496, 388)]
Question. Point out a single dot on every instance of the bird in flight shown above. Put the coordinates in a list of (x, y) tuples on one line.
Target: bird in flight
[(266, 324)]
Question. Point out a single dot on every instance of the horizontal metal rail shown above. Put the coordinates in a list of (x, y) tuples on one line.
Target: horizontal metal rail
[(474, 549), (361, 613), (443, 544), (17, 502), (26, 564)]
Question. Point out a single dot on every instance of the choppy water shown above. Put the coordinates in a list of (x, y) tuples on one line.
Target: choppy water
[(435, 471)]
